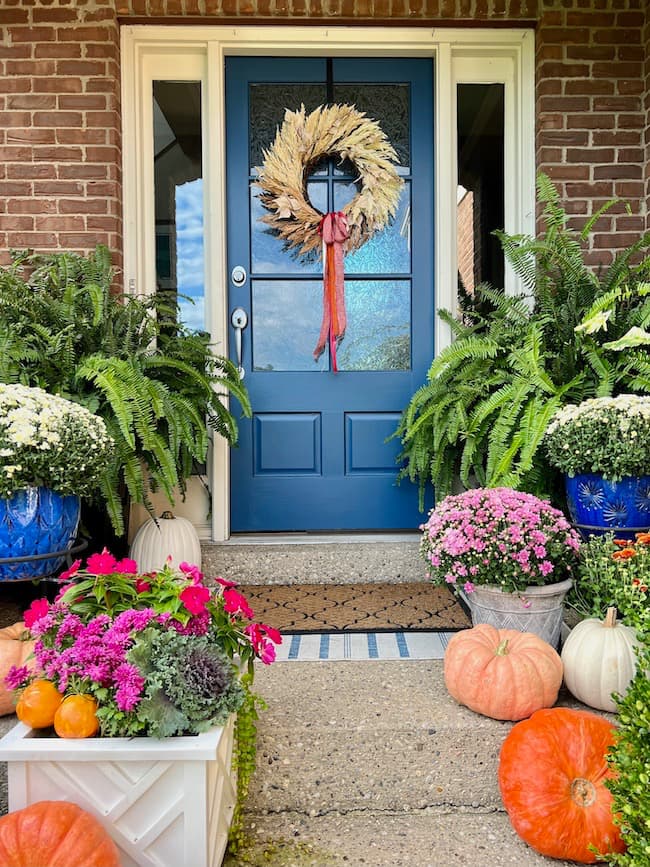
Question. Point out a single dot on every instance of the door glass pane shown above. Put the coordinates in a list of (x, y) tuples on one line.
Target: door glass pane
[(378, 336), (480, 187), (267, 105), (390, 250), (286, 324), (178, 191), (389, 105), (268, 254)]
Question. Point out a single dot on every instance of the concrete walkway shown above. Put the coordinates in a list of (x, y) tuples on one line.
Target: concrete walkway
[(372, 763)]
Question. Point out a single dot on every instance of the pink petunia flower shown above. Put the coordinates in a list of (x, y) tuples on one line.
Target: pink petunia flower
[(236, 603)]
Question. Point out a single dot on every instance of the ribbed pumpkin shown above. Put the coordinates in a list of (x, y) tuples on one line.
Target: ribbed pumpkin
[(170, 537), (502, 673), (55, 834), (76, 717), (599, 659), (38, 703), (13, 651), (552, 772)]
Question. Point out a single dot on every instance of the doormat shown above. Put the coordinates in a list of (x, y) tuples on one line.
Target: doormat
[(356, 607)]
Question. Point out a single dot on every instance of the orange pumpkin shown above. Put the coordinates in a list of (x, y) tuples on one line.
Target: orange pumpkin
[(13, 651), (502, 673), (55, 834), (38, 703), (76, 717), (552, 773)]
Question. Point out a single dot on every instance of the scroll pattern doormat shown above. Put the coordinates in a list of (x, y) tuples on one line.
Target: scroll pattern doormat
[(356, 607)]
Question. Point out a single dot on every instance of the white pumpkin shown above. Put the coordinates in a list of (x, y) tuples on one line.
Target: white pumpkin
[(167, 536), (599, 659)]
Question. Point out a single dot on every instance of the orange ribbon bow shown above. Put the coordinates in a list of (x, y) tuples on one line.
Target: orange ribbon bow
[(333, 229)]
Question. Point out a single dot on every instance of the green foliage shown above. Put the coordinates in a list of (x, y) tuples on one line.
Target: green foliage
[(244, 758), (606, 577), (489, 396), (158, 386), (630, 761)]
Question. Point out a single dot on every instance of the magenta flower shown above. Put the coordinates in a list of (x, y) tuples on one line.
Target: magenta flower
[(236, 603), (36, 610), (141, 585), (126, 566), (193, 571), (225, 583), (194, 598), (101, 564), (16, 676), (72, 570)]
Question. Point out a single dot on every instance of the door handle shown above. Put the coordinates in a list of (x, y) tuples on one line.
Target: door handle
[(239, 320)]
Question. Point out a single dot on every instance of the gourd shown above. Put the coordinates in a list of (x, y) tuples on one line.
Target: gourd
[(55, 834), (599, 659), (38, 703), (76, 717), (13, 651), (552, 773), (502, 673), (166, 536)]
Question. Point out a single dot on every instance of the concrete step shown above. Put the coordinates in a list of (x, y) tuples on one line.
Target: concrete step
[(299, 559), (372, 763)]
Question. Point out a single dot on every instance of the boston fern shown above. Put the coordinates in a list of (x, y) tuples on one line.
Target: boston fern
[(489, 396), (158, 386)]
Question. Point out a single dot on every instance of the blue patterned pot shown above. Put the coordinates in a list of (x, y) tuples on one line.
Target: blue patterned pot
[(36, 521), (597, 505)]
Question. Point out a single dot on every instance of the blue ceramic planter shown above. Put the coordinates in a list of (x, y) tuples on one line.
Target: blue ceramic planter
[(597, 505), (32, 522)]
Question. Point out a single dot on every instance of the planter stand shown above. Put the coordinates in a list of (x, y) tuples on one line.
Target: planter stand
[(164, 802)]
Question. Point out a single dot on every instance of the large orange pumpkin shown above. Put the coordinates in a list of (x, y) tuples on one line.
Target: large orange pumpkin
[(552, 773), (502, 673), (38, 703), (55, 834), (13, 651), (75, 717)]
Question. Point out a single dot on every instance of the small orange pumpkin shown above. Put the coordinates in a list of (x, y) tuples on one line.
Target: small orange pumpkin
[(552, 775), (502, 673), (76, 717), (38, 703), (14, 650), (55, 834)]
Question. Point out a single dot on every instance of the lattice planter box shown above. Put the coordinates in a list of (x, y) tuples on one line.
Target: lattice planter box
[(163, 802)]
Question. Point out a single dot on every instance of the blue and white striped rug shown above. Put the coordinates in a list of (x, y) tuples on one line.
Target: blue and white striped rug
[(312, 646)]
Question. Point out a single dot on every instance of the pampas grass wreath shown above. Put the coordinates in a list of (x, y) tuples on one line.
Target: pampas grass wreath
[(303, 140)]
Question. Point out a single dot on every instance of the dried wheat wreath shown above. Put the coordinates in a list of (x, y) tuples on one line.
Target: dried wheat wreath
[(303, 140)]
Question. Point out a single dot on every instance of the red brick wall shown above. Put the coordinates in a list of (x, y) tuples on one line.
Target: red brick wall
[(59, 103), (60, 158), (591, 119)]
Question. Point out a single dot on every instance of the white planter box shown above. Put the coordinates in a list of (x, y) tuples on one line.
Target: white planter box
[(165, 803)]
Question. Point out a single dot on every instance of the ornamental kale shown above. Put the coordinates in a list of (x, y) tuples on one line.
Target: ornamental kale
[(497, 536), (190, 684)]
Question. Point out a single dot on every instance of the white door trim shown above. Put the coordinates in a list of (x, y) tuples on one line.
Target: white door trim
[(198, 53)]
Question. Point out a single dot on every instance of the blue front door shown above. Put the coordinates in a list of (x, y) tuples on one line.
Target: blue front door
[(314, 456)]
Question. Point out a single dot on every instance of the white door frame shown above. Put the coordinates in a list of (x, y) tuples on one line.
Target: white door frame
[(151, 52)]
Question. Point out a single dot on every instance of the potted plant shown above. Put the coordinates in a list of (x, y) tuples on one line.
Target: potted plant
[(158, 385), (601, 445), (52, 452), (571, 334), (508, 554), (153, 664)]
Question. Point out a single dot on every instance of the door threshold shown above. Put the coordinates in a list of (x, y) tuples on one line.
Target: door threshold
[(318, 538)]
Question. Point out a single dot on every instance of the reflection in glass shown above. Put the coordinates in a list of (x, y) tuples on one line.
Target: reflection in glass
[(389, 105), (480, 198), (378, 335), (267, 105), (287, 316), (178, 193), (388, 251), (268, 253)]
